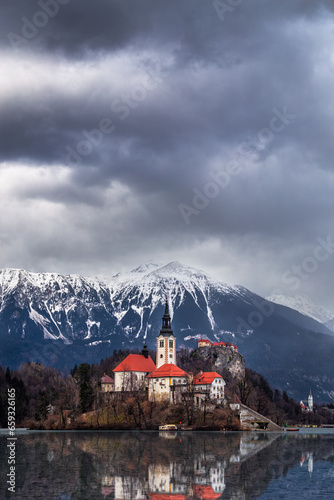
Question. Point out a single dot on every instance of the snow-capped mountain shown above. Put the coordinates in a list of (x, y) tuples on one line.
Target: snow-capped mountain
[(63, 320), (144, 290), (68, 308), (305, 306), (51, 306)]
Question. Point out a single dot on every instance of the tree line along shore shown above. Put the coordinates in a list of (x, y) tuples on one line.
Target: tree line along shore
[(47, 398)]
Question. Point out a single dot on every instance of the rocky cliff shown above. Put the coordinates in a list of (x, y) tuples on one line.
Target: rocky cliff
[(224, 358)]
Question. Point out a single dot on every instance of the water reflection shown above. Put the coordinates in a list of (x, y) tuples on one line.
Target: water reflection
[(162, 466)]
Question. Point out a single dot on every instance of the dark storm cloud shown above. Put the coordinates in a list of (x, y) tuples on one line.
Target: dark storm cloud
[(78, 26), (115, 114)]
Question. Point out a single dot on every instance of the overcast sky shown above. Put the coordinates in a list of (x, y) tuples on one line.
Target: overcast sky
[(185, 130)]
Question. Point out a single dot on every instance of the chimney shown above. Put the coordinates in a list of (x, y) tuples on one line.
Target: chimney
[(145, 351)]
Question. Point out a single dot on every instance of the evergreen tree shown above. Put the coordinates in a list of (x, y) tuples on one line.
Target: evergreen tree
[(8, 376), (86, 394), (74, 370)]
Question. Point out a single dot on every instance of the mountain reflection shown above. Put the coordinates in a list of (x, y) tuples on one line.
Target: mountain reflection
[(158, 466)]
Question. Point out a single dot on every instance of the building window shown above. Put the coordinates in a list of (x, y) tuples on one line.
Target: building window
[(171, 344), (161, 343), (171, 355), (161, 355)]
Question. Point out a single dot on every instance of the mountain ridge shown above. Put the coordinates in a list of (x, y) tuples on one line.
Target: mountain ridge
[(304, 305), (77, 318)]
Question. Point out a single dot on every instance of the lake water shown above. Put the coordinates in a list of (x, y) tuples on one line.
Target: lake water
[(169, 466)]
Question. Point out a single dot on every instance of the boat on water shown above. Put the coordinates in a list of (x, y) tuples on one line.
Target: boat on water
[(168, 427), (291, 429)]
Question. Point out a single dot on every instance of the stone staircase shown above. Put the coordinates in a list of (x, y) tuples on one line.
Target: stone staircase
[(252, 420)]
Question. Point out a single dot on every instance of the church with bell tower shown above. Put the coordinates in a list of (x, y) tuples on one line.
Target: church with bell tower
[(166, 341)]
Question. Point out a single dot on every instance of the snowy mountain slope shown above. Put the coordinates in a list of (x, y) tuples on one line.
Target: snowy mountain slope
[(63, 320), (52, 306), (73, 308), (330, 324), (149, 288), (305, 306)]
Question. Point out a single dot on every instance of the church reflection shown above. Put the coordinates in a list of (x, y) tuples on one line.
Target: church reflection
[(201, 476), (161, 466)]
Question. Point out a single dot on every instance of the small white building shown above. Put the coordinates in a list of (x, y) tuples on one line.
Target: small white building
[(167, 382), (129, 488), (130, 374), (209, 386), (309, 406), (107, 383)]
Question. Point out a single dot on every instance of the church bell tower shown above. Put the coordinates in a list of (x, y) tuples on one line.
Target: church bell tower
[(166, 341), (310, 401)]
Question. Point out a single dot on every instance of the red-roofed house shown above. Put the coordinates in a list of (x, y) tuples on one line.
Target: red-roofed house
[(166, 496), (107, 383), (166, 382), (209, 386), (130, 374), (204, 343), (206, 492)]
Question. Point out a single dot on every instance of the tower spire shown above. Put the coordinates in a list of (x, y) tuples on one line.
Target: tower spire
[(166, 341), (167, 308), (310, 401), (166, 321)]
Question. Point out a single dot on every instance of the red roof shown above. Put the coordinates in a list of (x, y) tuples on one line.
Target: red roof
[(107, 380), (205, 340), (167, 370), (205, 491), (136, 363), (205, 378), (166, 496)]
